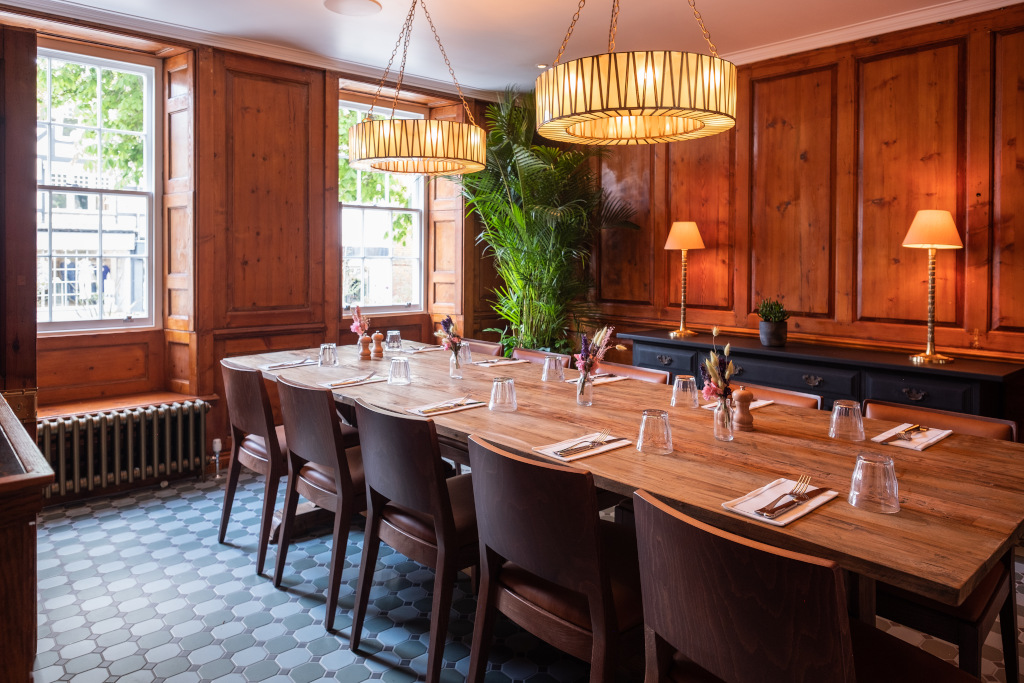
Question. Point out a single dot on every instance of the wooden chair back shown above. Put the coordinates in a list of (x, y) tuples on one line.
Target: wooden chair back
[(538, 356), (541, 517), (975, 425), (402, 460), (739, 609), (484, 348), (249, 410), (784, 396), (314, 433), (633, 372)]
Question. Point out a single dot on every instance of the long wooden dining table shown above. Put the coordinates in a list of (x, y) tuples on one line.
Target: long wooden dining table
[(962, 499)]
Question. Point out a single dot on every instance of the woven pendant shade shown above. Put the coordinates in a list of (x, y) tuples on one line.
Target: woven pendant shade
[(636, 98), (420, 146)]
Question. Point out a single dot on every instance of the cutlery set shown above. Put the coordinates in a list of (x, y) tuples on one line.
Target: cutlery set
[(448, 405), (586, 445), (797, 496), (906, 434), (350, 380)]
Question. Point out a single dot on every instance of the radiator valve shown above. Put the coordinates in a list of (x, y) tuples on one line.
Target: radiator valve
[(216, 446)]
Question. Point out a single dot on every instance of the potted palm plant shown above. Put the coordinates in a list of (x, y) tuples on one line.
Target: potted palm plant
[(773, 327), (541, 207)]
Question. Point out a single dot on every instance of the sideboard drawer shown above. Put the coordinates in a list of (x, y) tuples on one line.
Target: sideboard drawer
[(920, 390), (676, 361), (812, 379)]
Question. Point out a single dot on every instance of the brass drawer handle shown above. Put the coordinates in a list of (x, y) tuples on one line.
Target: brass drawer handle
[(665, 360), (813, 380), (915, 394)]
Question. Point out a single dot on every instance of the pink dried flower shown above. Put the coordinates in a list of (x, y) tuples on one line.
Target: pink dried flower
[(710, 392)]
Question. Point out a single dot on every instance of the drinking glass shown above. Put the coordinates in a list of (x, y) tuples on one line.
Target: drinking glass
[(393, 342), (465, 354), (399, 373), (684, 392), (552, 371), (847, 422), (328, 355), (503, 395), (655, 434), (873, 486)]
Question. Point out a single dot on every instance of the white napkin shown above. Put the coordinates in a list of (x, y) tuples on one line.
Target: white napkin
[(420, 349), (289, 364), (754, 405), (497, 363), (418, 410), (550, 449), (757, 499), (351, 382), (599, 380), (918, 440)]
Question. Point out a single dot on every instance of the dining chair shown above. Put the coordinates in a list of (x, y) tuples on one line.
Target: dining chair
[(975, 425), (416, 511), (533, 356), (322, 470), (783, 396), (549, 563), (716, 604), (484, 348), (968, 624), (255, 443), (633, 372)]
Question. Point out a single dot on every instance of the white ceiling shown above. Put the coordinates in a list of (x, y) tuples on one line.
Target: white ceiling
[(494, 43)]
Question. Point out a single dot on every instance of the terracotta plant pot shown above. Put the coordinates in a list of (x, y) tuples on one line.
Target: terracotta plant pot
[(773, 334)]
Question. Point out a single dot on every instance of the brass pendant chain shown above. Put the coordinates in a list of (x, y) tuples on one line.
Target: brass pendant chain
[(703, 28), (406, 29), (447, 62), (613, 26), (572, 25)]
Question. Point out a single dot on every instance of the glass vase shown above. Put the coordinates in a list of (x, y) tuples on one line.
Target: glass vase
[(723, 420), (585, 391), (455, 367)]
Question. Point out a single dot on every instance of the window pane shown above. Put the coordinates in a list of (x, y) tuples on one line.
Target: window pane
[(125, 225), (378, 282), (123, 100), (43, 223), (42, 89), (43, 290), (124, 288), (73, 98), (402, 189), (405, 276), (354, 281), (75, 157), (348, 178), (372, 188), (351, 232), (124, 161), (75, 288), (43, 154), (75, 223)]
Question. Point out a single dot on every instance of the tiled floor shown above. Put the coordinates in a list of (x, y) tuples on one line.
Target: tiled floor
[(136, 589)]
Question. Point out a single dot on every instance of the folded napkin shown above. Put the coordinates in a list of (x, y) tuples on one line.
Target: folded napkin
[(918, 440), (471, 403), (421, 349), (550, 449), (496, 363), (754, 405), (599, 380), (351, 382), (757, 499), (289, 364)]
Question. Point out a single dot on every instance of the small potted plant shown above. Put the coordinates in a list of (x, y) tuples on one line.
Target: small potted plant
[(773, 327)]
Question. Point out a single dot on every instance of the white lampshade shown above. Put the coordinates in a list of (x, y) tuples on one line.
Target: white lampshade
[(933, 229), (684, 235)]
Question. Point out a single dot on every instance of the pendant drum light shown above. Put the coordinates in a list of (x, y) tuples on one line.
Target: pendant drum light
[(416, 146), (636, 98)]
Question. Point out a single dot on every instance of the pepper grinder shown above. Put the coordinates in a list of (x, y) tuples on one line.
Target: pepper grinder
[(742, 420), (364, 350), (378, 347)]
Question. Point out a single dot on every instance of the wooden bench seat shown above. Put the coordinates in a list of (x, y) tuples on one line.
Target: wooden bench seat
[(109, 403)]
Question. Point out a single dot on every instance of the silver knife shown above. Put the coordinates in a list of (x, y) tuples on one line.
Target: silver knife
[(790, 504)]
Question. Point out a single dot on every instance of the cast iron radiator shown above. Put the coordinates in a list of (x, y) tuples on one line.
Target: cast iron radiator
[(122, 449)]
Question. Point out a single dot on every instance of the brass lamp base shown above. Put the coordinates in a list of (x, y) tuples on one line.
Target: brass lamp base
[(682, 332), (937, 358)]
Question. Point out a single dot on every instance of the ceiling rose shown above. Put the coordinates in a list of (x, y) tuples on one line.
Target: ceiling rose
[(353, 8)]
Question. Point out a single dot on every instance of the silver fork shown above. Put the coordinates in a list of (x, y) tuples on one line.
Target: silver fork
[(799, 489), (447, 404), (581, 446)]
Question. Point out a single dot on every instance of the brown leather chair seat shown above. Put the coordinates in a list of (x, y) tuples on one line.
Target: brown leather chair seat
[(961, 423), (460, 492), (322, 478), (254, 448), (538, 356), (783, 396)]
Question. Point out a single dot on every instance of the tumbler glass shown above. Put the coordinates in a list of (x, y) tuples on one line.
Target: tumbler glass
[(552, 371), (399, 373), (328, 355), (655, 434), (503, 395), (873, 486), (847, 423), (393, 342), (684, 392)]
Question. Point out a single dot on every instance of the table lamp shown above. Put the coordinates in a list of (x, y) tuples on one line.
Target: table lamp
[(932, 230), (685, 236)]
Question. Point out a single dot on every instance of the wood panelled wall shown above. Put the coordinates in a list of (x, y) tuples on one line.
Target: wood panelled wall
[(809, 197)]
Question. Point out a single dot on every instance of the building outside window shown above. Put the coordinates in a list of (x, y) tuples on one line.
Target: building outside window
[(381, 229), (95, 203)]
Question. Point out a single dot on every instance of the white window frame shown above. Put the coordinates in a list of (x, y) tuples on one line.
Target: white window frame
[(402, 111), (152, 69)]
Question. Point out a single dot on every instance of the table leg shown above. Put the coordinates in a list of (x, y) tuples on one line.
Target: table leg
[(861, 591)]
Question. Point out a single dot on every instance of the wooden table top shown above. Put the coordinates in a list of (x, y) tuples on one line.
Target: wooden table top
[(962, 499)]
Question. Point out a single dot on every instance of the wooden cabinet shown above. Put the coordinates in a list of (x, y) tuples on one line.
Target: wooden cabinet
[(834, 372)]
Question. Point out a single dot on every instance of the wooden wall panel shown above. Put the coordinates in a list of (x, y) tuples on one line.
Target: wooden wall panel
[(81, 367), (912, 114), (446, 224), (1008, 172), (791, 218), (627, 263)]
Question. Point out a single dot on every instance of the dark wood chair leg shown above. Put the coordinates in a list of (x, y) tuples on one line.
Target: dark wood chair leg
[(270, 487), (342, 520), (1008, 632), (444, 585), (970, 641), (284, 536), (658, 656), (371, 546), (486, 611), (602, 658), (234, 469)]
